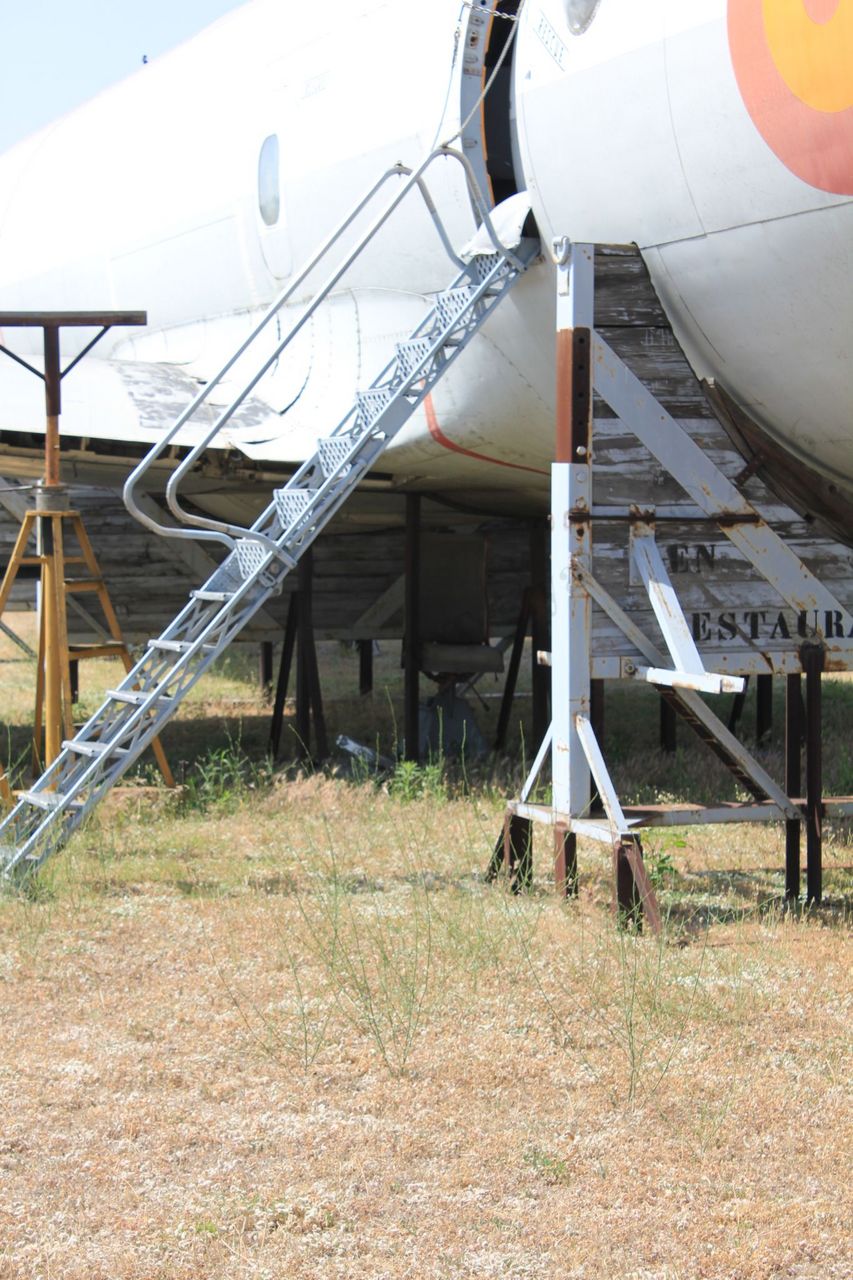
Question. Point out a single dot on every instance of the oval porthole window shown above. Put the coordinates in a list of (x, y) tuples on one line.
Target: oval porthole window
[(580, 14), (269, 197)]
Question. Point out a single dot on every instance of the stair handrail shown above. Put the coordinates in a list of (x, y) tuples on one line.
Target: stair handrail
[(203, 528)]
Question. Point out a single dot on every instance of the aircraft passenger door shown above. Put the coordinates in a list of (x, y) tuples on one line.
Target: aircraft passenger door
[(271, 214)]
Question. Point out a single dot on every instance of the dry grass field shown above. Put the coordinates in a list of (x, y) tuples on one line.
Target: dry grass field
[(278, 1026)]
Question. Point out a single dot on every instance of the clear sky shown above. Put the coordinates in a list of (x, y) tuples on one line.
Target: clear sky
[(54, 54)]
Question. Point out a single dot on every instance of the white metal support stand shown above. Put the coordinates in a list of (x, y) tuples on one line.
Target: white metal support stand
[(587, 365)]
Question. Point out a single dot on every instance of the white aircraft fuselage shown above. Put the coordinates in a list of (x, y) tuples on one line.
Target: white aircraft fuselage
[(717, 136)]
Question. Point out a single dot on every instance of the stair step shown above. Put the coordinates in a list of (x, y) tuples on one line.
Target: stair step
[(212, 597), (450, 305), (483, 265), (291, 504), (175, 646), (252, 558), (411, 355), (334, 453), (92, 749), (135, 697), (48, 800), (371, 405)]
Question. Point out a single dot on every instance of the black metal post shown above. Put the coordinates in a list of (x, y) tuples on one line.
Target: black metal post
[(763, 707), (512, 672), (277, 722), (793, 780), (305, 573), (265, 667), (411, 639), (365, 667), (74, 678)]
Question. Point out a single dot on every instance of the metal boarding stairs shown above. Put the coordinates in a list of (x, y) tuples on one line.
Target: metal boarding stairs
[(259, 558)]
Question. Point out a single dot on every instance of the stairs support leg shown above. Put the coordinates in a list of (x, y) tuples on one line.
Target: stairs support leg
[(365, 667), (793, 780), (411, 641), (277, 722)]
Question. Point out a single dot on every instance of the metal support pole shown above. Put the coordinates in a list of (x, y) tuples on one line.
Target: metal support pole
[(365, 667), (793, 780), (411, 640), (49, 656), (763, 707), (512, 672), (265, 667), (305, 572), (668, 727), (74, 676), (53, 405), (813, 659), (571, 531), (277, 722)]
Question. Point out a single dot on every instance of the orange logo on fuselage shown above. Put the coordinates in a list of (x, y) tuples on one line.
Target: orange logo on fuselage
[(794, 65)]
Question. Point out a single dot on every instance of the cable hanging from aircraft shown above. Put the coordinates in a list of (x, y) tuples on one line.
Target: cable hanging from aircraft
[(504, 53)]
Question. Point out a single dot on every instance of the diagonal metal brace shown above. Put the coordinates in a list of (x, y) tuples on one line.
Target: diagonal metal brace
[(711, 490), (698, 709)]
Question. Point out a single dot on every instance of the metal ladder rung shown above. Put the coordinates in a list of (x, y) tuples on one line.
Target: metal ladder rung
[(48, 800), (92, 749), (212, 597), (136, 697), (175, 646)]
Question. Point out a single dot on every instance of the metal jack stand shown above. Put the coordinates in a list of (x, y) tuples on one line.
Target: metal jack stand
[(586, 364), (48, 524)]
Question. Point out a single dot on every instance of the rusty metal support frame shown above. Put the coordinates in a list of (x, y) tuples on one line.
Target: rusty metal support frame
[(51, 323), (585, 363)]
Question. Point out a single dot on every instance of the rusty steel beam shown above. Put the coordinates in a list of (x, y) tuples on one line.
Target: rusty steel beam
[(565, 861)]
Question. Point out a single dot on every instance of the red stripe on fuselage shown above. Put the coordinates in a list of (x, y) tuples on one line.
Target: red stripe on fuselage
[(440, 438)]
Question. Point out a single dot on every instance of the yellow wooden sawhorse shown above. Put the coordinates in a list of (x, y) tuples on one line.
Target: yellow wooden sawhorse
[(53, 707)]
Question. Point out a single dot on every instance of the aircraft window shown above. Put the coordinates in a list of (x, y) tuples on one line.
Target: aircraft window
[(580, 14), (269, 198)]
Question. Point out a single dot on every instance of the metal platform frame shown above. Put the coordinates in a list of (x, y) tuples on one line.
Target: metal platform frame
[(587, 365)]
